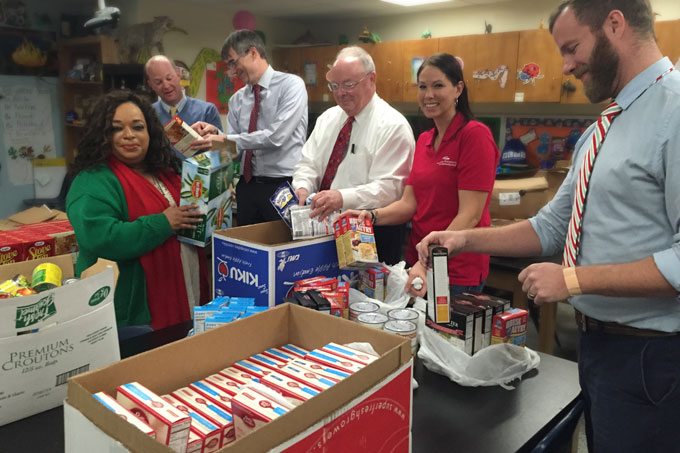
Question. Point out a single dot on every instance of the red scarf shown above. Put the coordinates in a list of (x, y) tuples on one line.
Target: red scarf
[(166, 292)]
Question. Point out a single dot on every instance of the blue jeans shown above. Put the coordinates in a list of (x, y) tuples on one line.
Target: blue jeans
[(460, 289), (631, 387)]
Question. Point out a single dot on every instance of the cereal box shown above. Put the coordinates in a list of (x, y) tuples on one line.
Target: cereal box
[(207, 181), (510, 327)]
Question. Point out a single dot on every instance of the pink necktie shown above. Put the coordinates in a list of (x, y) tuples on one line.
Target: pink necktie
[(571, 246), (252, 127), (337, 154)]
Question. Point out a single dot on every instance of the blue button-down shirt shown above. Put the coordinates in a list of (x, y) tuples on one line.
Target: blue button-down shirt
[(633, 204), (281, 124)]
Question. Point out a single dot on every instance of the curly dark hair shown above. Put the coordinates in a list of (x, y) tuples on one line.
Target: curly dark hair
[(96, 144)]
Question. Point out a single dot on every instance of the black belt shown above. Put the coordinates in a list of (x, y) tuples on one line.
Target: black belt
[(587, 324), (267, 180)]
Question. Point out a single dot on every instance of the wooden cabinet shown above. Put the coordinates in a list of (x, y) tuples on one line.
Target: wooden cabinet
[(539, 67), (495, 53), (668, 37), (89, 67), (418, 49), (463, 47), (388, 68), (287, 59), (322, 58)]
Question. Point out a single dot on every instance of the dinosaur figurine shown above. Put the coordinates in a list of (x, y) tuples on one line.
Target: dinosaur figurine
[(135, 43)]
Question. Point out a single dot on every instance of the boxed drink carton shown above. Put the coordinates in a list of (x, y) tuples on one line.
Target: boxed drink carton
[(510, 327), (207, 181), (171, 426), (355, 243), (351, 409), (73, 330), (181, 135), (206, 430), (113, 405), (261, 261)]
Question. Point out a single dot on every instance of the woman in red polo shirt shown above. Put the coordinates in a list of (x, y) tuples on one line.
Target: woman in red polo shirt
[(452, 177)]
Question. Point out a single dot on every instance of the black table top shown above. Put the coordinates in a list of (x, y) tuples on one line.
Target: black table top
[(517, 264), (446, 416)]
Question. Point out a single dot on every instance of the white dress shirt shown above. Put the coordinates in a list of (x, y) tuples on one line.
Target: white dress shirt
[(281, 123), (378, 159)]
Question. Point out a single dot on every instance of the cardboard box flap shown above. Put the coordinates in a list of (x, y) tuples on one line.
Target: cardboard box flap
[(55, 306), (33, 215), (100, 266), (518, 185), (7, 225), (161, 371), (266, 233)]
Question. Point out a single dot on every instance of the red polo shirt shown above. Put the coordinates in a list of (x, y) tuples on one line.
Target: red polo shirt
[(466, 160)]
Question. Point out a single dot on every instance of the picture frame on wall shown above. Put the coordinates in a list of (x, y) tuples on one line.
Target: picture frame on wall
[(28, 52)]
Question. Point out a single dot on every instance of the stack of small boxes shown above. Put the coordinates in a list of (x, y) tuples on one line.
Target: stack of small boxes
[(223, 310), (325, 294), (373, 282), (213, 412)]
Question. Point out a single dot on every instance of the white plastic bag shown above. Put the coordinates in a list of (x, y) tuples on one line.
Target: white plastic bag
[(497, 364)]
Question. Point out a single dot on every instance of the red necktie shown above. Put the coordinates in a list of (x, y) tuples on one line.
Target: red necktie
[(337, 154), (252, 127), (571, 246)]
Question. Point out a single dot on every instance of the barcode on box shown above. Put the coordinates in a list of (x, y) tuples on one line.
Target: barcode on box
[(62, 378)]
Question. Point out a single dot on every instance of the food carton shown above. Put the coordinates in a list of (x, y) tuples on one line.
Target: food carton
[(510, 327), (217, 413), (113, 405), (207, 431), (207, 181), (347, 352), (252, 410), (339, 363), (355, 240), (296, 392)]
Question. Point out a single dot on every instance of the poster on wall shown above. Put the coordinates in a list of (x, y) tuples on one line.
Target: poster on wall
[(27, 134), (540, 142), (219, 87), (28, 52)]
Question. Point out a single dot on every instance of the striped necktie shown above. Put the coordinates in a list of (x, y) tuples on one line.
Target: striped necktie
[(571, 245), (337, 155)]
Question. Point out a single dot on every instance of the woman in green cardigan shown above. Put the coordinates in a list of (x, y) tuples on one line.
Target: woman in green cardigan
[(124, 206)]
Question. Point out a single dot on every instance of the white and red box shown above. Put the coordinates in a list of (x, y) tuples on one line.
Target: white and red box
[(314, 380), (278, 353), (510, 327), (209, 433), (225, 384), (273, 363), (218, 414), (195, 443), (342, 364), (214, 393), (251, 367), (296, 392), (251, 410), (346, 352), (172, 426), (295, 350), (324, 370), (115, 407), (438, 296), (240, 376)]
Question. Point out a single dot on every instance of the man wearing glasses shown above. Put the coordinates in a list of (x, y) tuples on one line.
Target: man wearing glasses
[(360, 152), (163, 78), (268, 121)]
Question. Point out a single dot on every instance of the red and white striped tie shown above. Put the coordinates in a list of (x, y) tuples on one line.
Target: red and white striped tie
[(571, 246)]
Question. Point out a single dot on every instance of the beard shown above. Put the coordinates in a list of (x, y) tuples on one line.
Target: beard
[(602, 66)]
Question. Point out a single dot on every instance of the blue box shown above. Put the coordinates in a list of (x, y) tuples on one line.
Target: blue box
[(261, 261)]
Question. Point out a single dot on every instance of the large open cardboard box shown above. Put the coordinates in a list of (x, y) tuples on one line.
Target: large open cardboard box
[(518, 198), (72, 329), (262, 261), (369, 411)]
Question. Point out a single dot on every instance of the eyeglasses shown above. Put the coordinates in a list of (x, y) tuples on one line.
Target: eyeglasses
[(231, 64), (346, 86)]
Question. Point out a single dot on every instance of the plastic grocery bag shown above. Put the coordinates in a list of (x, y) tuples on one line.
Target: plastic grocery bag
[(498, 364)]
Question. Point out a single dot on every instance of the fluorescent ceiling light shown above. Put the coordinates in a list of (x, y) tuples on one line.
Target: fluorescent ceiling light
[(414, 2)]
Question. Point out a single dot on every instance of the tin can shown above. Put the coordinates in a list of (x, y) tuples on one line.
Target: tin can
[(25, 292), (404, 328), (403, 314), (69, 281), (4, 295), (357, 308), (375, 320), (10, 287), (46, 276), (21, 281)]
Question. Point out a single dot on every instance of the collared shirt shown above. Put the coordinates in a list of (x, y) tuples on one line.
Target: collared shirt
[(180, 105), (378, 160), (281, 123), (632, 209)]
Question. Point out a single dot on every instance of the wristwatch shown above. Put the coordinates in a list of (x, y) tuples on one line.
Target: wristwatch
[(374, 216)]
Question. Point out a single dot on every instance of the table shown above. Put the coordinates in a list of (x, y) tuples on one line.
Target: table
[(444, 414), (503, 272)]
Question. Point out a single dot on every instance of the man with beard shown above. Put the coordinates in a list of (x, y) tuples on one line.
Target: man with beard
[(616, 219), (268, 121)]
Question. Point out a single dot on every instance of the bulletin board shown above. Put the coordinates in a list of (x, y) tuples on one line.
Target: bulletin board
[(219, 87)]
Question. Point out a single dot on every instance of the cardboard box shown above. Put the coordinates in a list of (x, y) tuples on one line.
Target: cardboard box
[(354, 410), (262, 262), (207, 180), (518, 198), (76, 332)]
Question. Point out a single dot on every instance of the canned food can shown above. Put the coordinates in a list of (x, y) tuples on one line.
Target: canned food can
[(25, 292), (69, 281), (404, 328), (46, 276), (22, 281), (403, 314), (375, 320), (4, 295), (357, 308)]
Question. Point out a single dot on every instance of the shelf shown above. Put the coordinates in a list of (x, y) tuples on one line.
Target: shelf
[(82, 82)]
